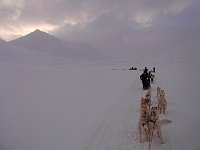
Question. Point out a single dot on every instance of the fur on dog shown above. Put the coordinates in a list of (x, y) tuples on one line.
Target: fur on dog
[(143, 127), (148, 94), (148, 98), (162, 103), (155, 125), (162, 93), (158, 91), (144, 112), (154, 114), (152, 76), (143, 124), (149, 122), (143, 102)]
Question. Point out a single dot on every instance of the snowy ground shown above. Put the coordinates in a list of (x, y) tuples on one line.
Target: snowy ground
[(93, 107)]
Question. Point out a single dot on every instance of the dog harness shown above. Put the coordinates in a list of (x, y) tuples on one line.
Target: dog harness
[(153, 114)]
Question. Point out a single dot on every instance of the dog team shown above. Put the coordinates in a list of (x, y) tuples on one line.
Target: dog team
[(149, 121)]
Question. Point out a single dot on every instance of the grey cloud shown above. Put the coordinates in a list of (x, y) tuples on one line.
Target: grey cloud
[(55, 11), (111, 25)]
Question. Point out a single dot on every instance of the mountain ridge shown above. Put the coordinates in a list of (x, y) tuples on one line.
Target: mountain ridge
[(13, 53), (41, 41)]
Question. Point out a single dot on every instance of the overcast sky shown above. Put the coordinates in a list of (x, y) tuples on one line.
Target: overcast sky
[(99, 21)]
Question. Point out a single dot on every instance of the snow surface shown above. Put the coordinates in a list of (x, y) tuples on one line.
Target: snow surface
[(94, 107)]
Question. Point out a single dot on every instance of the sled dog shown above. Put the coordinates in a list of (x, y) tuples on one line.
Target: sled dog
[(158, 92), (148, 98), (162, 93), (155, 124), (144, 102), (152, 76), (143, 124), (162, 103)]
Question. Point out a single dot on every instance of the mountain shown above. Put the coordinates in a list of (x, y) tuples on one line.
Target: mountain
[(44, 42), (5, 51), (13, 53)]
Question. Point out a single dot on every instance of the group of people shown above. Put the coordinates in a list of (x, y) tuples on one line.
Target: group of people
[(147, 78)]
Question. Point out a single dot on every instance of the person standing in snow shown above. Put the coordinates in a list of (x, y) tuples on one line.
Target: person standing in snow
[(144, 77)]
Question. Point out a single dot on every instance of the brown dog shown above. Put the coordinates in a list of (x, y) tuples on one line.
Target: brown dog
[(148, 98), (155, 124), (158, 91), (162, 105), (149, 122), (162, 93), (143, 124)]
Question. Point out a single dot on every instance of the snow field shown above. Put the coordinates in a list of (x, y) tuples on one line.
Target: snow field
[(92, 107)]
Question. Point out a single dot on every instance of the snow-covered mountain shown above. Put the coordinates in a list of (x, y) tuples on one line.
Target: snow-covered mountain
[(13, 53), (44, 42), (5, 52)]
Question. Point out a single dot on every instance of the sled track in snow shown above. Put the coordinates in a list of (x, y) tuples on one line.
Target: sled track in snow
[(117, 127)]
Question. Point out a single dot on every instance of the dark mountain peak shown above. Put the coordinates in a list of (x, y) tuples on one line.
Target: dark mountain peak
[(39, 33), (37, 30), (35, 38)]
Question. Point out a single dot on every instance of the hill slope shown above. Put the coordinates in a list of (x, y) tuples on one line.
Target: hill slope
[(13, 53), (44, 42)]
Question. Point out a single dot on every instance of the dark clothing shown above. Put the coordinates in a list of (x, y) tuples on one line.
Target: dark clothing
[(145, 80), (145, 70), (154, 69), (149, 74), (148, 83), (143, 76)]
